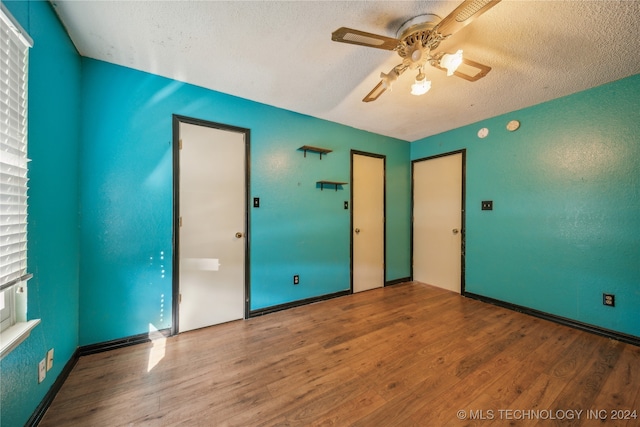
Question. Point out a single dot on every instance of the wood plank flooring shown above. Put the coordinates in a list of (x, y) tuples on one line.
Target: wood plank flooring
[(405, 355)]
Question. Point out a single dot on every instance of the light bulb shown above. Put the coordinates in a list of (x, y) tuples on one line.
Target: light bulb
[(451, 62)]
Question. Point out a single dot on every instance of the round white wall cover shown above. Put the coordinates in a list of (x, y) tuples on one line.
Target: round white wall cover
[(513, 125), (482, 133)]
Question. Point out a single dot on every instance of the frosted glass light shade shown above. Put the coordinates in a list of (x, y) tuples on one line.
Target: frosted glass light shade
[(451, 61), (420, 87), (388, 79)]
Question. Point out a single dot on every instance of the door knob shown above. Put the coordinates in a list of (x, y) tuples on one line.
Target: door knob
[(357, 230), (455, 231), (239, 235)]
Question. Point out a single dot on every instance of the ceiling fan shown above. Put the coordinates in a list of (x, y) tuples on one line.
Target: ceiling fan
[(416, 41)]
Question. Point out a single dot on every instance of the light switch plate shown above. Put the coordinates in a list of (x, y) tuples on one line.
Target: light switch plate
[(42, 370), (49, 359), (487, 205)]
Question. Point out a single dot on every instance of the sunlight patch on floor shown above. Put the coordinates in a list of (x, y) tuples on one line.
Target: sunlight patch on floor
[(156, 353)]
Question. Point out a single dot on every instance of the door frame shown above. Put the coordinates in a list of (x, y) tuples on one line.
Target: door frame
[(177, 119), (463, 226), (384, 214)]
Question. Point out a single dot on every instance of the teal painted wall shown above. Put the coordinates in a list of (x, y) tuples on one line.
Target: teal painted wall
[(54, 140), (566, 216), (126, 199)]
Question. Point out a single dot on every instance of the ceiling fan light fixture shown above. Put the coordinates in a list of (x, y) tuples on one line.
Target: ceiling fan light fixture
[(451, 61), (388, 79), (420, 88), (421, 85)]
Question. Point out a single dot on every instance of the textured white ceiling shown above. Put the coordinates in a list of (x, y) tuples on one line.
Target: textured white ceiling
[(280, 53)]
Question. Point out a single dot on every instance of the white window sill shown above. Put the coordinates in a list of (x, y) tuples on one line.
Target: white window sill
[(13, 336)]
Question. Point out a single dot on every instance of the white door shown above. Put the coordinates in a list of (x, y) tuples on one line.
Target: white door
[(212, 231), (368, 222), (437, 221)]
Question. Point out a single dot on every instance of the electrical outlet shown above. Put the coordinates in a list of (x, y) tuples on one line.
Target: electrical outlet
[(296, 279), (487, 205), (49, 359), (609, 300), (42, 370)]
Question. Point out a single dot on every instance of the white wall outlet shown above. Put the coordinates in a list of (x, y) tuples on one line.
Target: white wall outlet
[(42, 370), (49, 360)]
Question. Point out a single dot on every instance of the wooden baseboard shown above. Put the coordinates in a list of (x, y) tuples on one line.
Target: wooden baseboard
[(38, 414), (119, 343), (274, 308), (619, 336)]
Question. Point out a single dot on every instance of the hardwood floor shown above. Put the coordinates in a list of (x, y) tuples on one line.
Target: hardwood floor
[(405, 355)]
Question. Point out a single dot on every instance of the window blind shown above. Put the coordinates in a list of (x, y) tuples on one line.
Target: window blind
[(13, 152)]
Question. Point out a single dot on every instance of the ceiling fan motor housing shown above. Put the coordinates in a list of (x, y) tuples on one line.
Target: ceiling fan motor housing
[(418, 39)]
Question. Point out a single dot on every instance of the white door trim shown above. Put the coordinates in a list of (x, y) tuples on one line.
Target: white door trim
[(177, 119), (463, 228)]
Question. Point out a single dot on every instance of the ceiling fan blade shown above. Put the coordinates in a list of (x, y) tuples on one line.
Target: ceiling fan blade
[(469, 70), (463, 15), (375, 93), (349, 35)]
